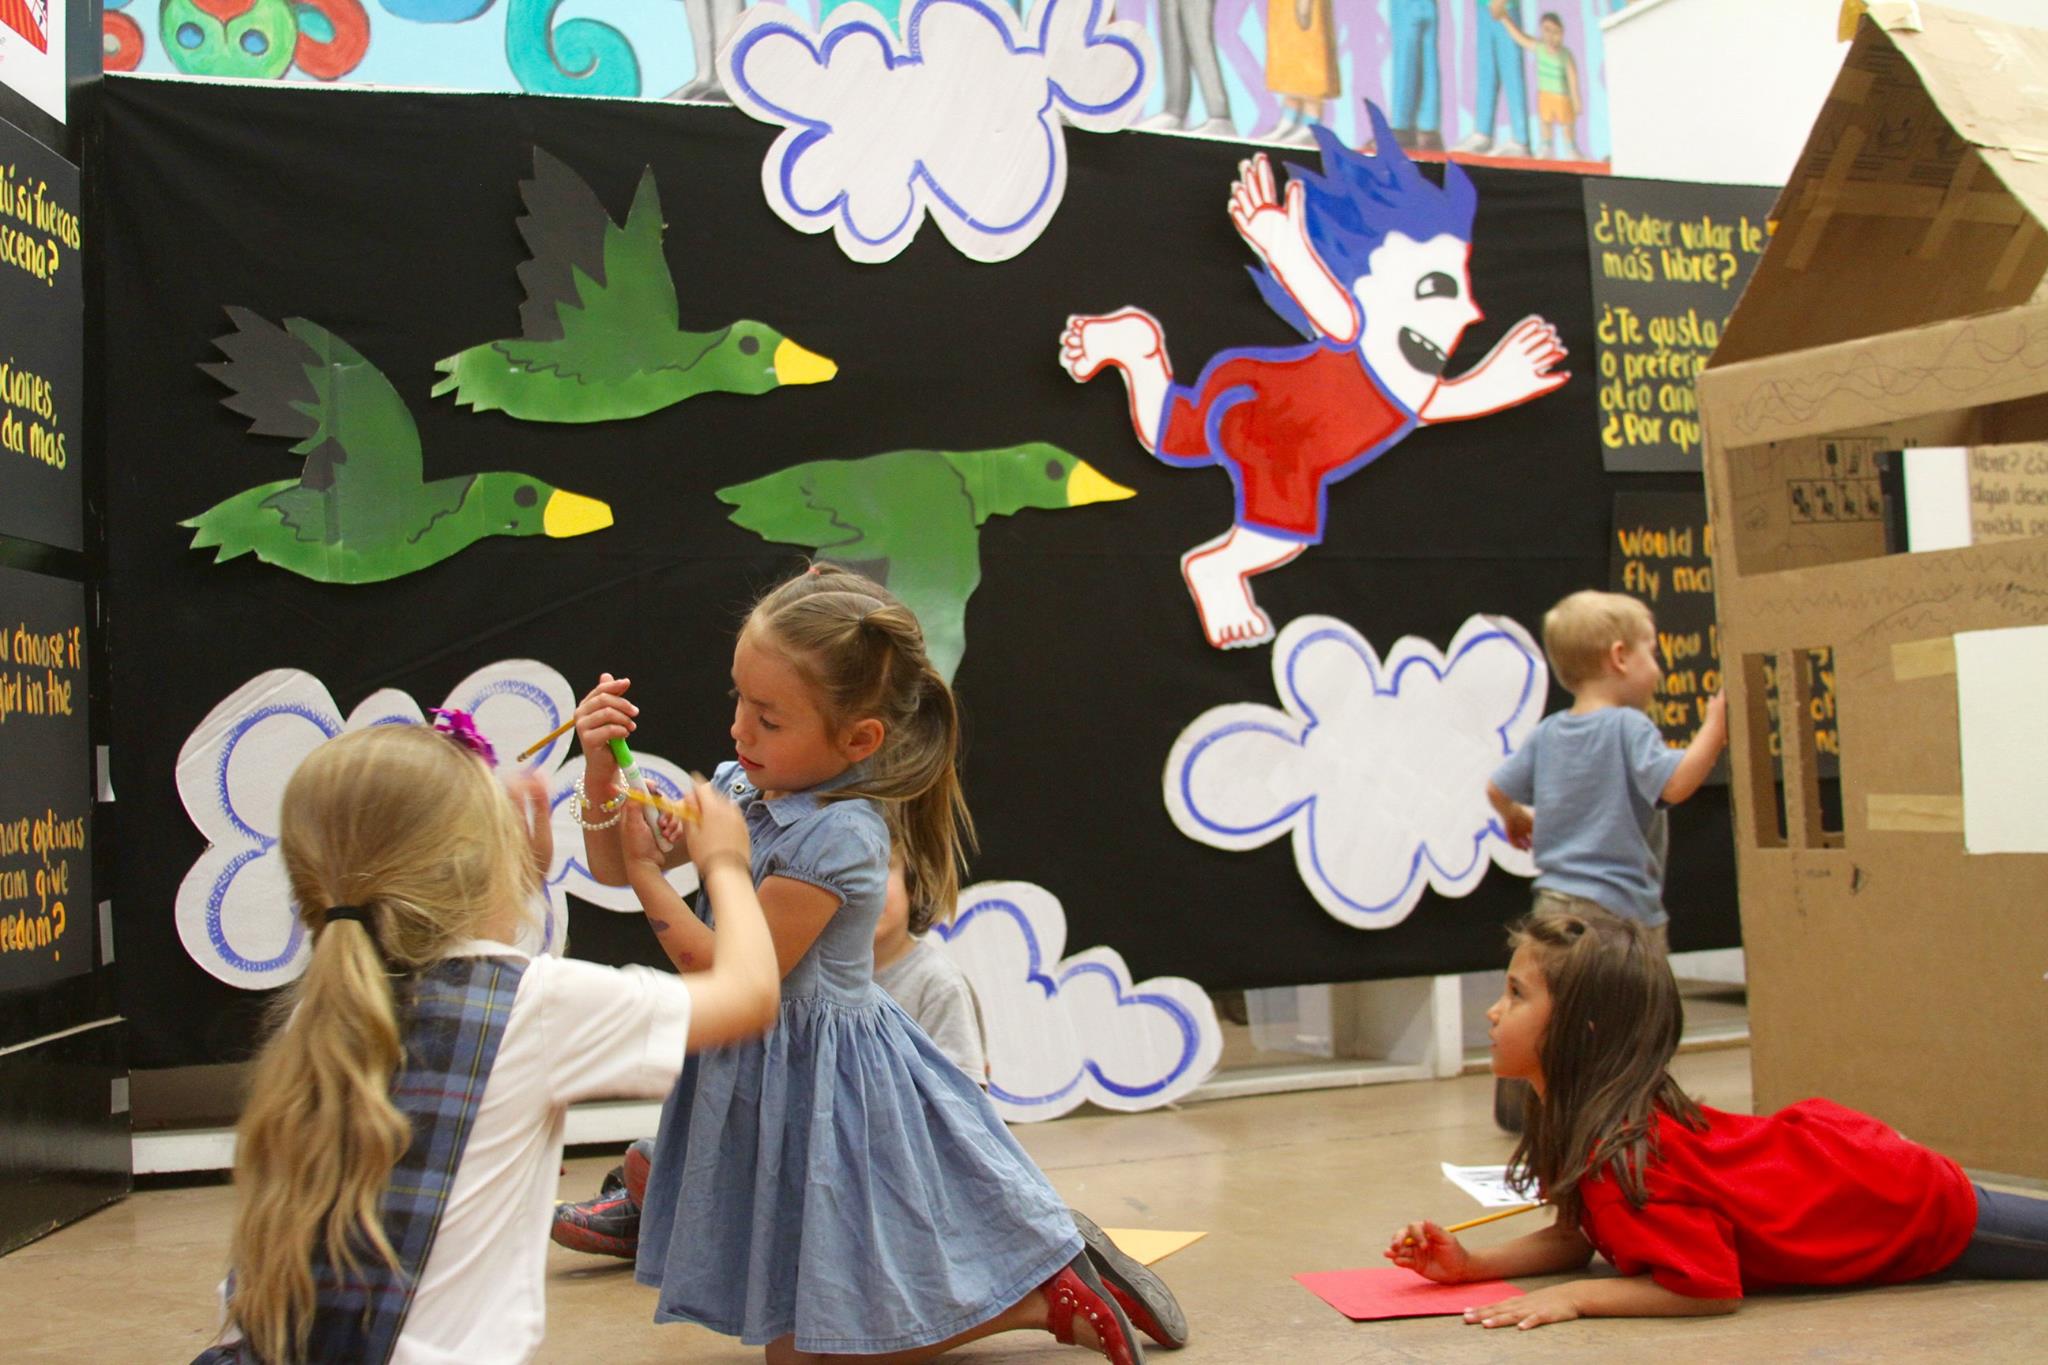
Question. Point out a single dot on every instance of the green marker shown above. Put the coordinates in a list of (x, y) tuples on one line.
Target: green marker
[(630, 774)]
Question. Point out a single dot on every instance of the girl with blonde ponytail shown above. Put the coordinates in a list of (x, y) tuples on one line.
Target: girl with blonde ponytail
[(841, 1188), (397, 1158)]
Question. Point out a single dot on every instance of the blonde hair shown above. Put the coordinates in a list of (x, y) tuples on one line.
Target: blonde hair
[(1579, 631), (1615, 1021), (410, 827), (861, 652)]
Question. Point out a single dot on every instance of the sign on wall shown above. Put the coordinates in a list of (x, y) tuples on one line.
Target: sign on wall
[(1669, 261), (42, 337), (32, 52), (46, 903)]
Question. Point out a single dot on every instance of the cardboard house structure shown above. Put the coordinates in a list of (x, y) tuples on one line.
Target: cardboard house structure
[(1898, 953)]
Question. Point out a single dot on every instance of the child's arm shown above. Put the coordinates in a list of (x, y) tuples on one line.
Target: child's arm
[(1699, 757), (1629, 1296), (739, 995), (797, 913), (689, 942), (1571, 82), (1434, 1254), (1517, 819), (1507, 21), (601, 717), (1280, 236)]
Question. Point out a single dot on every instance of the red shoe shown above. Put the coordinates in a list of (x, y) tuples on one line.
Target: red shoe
[(1142, 1295), (608, 1225), (639, 1160), (1077, 1291)]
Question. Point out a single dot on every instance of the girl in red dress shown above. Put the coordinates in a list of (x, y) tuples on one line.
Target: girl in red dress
[(1693, 1206)]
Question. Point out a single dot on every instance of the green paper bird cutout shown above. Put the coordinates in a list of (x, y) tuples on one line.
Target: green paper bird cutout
[(360, 511), (599, 337), (911, 519)]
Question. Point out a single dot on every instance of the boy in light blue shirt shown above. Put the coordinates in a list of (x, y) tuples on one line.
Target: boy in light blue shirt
[(1599, 775)]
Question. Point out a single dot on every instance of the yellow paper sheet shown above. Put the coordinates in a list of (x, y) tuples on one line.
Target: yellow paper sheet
[(1146, 1245)]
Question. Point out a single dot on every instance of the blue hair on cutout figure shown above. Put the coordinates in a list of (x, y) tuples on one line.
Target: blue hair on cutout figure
[(1357, 200)]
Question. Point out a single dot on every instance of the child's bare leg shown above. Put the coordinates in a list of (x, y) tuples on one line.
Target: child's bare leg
[(1218, 574), (1025, 1315), (1133, 341)]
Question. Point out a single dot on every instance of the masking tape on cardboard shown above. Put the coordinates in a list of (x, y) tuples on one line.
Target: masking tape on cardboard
[(1913, 659), (1915, 814)]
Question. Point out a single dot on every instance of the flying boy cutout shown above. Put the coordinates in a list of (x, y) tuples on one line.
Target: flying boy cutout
[(1368, 260)]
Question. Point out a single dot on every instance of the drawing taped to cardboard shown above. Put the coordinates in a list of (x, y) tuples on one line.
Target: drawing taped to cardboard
[(1370, 262), (600, 336), (1063, 1029), (362, 509), (963, 117), (912, 519), (234, 908), (1376, 766)]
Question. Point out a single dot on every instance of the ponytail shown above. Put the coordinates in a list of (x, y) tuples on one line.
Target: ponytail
[(317, 1141)]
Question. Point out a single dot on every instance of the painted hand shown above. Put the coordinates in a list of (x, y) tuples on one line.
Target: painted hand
[(1516, 370), (1430, 1252), (1256, 209), (1554, 1304)]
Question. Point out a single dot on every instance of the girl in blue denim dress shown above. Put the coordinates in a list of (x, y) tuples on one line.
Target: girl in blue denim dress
[(841, 1187)]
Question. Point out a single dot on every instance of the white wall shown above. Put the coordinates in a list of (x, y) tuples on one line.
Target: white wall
[(1725, 90)]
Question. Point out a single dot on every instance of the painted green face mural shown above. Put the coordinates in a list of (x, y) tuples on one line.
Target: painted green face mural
[(252, 39)]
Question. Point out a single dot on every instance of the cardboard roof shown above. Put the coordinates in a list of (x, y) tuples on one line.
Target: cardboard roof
[(1922, 192)]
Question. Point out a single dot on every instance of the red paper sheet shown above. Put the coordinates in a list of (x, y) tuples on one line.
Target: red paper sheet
[(1391, 1292)]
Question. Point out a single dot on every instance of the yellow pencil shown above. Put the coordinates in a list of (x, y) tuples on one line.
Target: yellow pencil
[(668, 807), (549, 738), (1483, 1218)]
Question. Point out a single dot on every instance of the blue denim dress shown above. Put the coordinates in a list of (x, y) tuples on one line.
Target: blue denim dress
[(840, 1178)]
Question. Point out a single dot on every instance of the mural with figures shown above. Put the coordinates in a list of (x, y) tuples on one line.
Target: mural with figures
[(1520, 79)]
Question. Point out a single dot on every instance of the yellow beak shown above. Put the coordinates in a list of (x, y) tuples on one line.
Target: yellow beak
[(572, 514), (1086, 485), (795, 365)]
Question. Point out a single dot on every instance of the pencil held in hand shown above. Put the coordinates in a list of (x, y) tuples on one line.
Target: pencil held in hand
[(1484, 1218), (666, 806), (549, 738)]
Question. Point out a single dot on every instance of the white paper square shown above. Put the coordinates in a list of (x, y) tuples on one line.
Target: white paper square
[(2004, 739)]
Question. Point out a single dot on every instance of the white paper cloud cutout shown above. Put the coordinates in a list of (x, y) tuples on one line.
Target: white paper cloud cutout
[(959, 118), (1066, 1029), (1377, 767), (234, 909)]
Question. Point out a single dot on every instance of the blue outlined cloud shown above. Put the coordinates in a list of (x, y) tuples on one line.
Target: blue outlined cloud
[(959, 118), (234, 909), (1377, 767), (1066, 1029)]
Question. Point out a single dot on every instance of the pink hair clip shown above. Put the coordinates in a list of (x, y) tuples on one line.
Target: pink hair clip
[(460, 726)]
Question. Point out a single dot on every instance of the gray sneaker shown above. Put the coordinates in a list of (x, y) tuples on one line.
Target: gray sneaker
[(1512, 149), (1478, 144)]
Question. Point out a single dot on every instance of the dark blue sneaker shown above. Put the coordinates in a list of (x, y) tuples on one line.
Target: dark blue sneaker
[(608, 1225)]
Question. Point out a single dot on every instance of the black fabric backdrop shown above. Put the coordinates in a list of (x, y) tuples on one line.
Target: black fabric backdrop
[(389, 219)]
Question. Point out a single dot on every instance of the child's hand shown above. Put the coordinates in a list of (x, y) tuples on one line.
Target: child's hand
[(1521, 823), (1554, 1304), (636, 840), (1717, 710), (530, 798), (719, 831), (601, 717), (1430, 1252)]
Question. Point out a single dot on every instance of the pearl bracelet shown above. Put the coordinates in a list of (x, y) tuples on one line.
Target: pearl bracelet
[(616, 806)]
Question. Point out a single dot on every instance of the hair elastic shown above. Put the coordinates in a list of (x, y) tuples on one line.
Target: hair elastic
[(355, 912), (460, 726)]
